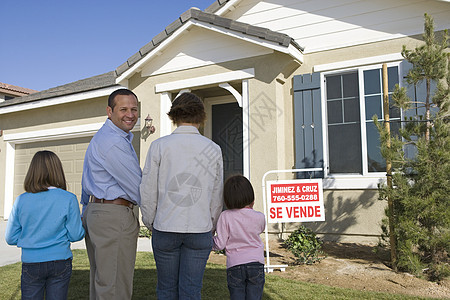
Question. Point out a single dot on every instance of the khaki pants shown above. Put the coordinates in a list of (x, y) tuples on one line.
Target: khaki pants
[(111, 241)]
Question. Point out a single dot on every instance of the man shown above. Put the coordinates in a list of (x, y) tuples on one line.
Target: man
[(110, 189)]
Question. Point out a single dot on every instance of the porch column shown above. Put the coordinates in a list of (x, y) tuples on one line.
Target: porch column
[(165, 124), (245, 129), (9, 179)]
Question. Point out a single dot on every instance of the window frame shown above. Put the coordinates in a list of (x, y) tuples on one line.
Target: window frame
[(366, 180)]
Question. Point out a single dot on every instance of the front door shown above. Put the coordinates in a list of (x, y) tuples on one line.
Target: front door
[(226, 131)]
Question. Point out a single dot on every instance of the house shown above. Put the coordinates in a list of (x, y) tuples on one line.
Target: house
[(286, 83), (9, 91)]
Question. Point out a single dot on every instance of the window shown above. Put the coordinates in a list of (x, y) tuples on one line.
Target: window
[(352, 99)]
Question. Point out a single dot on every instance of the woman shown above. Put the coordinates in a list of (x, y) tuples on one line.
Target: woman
[(43, 222), (181, 199)]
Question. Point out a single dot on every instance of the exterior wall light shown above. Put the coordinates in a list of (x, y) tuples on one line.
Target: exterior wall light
[(148, 124)]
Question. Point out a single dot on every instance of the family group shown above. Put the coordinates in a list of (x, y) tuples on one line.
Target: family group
[(183, 201)]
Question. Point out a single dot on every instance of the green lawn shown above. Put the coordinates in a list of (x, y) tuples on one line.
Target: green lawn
[(214, 283)]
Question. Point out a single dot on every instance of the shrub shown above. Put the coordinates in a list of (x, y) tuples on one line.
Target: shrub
[(144, 232), (305, 246)]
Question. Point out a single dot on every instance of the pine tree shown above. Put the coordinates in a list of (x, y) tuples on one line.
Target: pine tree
[(420, 190)]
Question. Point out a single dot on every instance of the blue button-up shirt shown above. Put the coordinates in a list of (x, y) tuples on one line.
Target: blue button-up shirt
[(111, 168)]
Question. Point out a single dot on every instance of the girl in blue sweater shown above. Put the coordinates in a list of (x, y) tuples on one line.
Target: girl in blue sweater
[(43, 222)]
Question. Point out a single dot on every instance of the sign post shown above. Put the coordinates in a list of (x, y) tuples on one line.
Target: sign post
[(291, 201)]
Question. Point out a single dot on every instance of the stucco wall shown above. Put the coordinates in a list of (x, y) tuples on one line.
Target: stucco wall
[(350, 216), (70, 114)]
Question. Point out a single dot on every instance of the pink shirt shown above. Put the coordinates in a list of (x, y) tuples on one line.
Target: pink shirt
[(238, 233)]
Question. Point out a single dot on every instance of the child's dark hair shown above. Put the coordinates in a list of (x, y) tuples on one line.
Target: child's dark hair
[(238, 192)]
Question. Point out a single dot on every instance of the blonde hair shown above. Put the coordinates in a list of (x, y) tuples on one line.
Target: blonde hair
[(45, 170)]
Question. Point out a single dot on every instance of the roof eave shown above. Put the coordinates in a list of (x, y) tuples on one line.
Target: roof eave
[(86, 85), (295, 53), (57, 100)]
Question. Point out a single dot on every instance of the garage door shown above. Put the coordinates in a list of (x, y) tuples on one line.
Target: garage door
[(70, 152)]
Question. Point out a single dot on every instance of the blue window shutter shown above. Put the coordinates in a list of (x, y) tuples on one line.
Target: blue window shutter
[(308, 124)]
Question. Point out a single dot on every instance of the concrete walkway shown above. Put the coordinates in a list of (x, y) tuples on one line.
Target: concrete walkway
[(11, 254)]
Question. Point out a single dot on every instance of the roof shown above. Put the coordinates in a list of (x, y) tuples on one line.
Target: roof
[(16, 89), (83, 85), (196, 14)]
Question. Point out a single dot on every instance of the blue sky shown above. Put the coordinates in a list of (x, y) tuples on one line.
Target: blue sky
[(47, 43)]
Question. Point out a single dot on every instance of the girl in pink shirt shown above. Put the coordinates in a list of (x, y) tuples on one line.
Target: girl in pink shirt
[(238, 232)]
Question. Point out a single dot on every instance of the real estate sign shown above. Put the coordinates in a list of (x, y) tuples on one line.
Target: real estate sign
[(295, 201)]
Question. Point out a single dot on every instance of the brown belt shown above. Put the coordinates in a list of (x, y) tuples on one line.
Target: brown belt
[(118, 201)]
